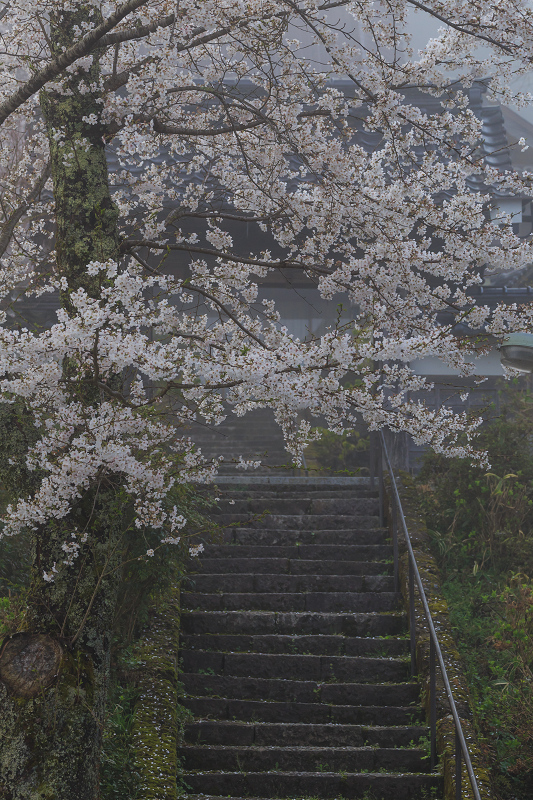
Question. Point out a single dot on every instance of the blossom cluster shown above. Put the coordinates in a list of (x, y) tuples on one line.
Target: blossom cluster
[(249, 141)]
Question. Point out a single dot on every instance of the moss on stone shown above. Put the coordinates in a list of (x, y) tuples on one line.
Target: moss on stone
[(156, 728)]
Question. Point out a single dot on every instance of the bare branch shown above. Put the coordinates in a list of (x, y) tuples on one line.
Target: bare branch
[(179, 213), (167, 128), (128, 244)]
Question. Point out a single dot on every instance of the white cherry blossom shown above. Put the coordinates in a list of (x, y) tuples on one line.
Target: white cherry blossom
[(217, 120)]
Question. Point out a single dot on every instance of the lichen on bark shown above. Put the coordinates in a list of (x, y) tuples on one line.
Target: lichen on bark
[(86, 217), (50, 743)]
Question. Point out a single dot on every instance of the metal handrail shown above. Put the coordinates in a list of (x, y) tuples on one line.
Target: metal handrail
[(435, 652)]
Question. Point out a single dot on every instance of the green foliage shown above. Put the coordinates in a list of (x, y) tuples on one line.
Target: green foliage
[(118, 778), (146, 577), (481, 527), (15, 551), (146, 583), (15, 560), (477, 515), (346, 454)]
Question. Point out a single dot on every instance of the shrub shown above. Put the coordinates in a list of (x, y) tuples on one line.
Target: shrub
[(481, 525)]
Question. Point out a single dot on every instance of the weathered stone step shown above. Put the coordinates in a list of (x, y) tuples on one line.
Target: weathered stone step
[(300, 521), (298, 667), (239, 583), (296, 691), (311, 601), (286, 566), (348, 785), (304, 759), (298, 505), (295, 483), (365, 694), (261, 622), (272, 536), (221, 708), (314, 552), (309, 493), (265, 734), (322, 645)]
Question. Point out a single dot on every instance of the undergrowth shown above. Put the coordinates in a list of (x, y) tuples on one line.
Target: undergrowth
[(480, 522), (144, 580)]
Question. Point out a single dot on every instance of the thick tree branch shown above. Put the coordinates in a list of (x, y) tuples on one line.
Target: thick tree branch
[(128, 244), (137, 31), (170, 129), (70, 56), (179, 213), (113, 84), (166, 128), (163, 127), (119, 79)]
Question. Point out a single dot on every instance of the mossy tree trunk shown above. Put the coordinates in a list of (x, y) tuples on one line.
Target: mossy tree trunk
[(51, 725)]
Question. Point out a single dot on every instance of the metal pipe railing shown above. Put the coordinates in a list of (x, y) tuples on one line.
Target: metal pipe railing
[(435, 653)]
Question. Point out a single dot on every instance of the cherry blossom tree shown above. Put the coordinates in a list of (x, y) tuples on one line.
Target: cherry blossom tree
[(219, 116)]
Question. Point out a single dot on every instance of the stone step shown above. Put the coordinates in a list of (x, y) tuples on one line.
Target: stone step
[(273, 536), (266, 689), (284, 601), (297, 667), (313, 552), (299, 521), (304, 493), (314, 784), (265, 622), (290, 484), (286, 566), (294, 656), (352, 506), (304, 759), (265, 734), (218, 708), (322, 645), (245, 583)]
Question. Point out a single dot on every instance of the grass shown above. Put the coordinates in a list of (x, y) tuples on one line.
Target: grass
[(500, 686), (481, 527), (118, 778)]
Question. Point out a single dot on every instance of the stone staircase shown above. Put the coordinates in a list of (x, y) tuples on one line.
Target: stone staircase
[(295, 656)]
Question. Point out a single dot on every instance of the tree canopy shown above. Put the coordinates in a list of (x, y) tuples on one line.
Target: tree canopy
[(160, 162), (221, 116)]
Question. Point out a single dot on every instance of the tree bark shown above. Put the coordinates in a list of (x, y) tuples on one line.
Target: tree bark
[(54, 674)]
